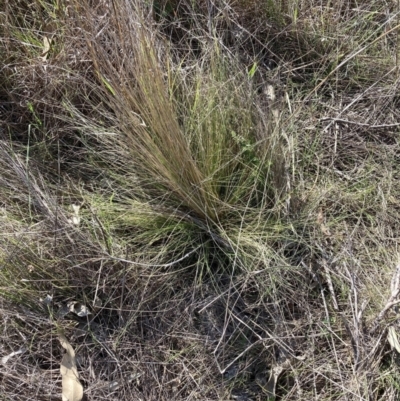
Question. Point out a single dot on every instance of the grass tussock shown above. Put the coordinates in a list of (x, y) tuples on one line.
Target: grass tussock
[(203, 197)]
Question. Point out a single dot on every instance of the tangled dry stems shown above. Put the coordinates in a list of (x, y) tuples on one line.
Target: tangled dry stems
[(229, 243)]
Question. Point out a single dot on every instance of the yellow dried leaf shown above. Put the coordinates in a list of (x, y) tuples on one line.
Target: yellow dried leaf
[(72, 389)]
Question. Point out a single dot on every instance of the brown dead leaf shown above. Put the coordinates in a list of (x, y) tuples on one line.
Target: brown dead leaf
[(72, 389)]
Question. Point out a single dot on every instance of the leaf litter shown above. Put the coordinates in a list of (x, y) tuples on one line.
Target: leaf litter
[(72, 389)]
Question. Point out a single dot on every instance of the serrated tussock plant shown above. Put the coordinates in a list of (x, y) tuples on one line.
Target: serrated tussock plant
[(188, 135)]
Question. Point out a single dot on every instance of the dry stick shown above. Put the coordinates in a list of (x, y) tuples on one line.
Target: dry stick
[(340, 120), (120, 318), (355, 335), (222, 371), (330, 285), (155, 265), (395, 290), (335, 307)]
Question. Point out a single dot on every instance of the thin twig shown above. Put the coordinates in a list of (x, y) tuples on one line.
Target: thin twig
[(341, 120), (155, 265), (395, 290)]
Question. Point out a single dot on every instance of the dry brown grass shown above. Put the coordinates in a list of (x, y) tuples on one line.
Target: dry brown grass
[(230, 244)]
